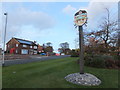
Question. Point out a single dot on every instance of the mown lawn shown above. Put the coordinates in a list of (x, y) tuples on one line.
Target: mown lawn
[(51, 73)]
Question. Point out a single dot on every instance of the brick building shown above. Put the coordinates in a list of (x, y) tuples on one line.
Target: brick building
[(21, 46), (40, 49)]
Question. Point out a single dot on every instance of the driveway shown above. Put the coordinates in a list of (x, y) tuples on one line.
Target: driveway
[(32, 59)]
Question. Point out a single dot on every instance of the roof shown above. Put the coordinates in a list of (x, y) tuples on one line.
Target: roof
[(25, 41)]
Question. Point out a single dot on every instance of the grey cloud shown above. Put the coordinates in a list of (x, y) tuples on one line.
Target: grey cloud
[(40, 20), (24, 17)]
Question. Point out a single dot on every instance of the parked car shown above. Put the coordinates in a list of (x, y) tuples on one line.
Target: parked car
[(42, 53), (57, 54), (62, 54)]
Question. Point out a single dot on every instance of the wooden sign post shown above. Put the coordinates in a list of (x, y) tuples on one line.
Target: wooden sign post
[(80, 19)]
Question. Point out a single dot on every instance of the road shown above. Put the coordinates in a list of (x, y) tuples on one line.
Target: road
[(32, 59)]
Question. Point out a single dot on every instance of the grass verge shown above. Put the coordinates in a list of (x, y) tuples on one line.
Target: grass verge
[(51, 73)]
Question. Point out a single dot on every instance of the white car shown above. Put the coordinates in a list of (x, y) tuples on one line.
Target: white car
[(62, 54)]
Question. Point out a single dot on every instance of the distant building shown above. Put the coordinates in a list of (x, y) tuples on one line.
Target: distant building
[(21, 46), (40, 49)]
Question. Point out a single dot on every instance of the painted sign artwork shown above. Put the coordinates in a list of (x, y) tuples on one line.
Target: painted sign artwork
[(80, 17)]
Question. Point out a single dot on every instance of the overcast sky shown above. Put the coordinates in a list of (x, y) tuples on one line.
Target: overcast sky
[(50, 21)]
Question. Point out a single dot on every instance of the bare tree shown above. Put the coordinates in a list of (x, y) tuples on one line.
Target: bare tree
[(107, 31), (64, 48), (48, 43), (64, 45), (47, 47), (108, 28)]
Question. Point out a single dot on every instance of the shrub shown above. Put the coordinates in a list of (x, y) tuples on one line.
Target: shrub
[(95, 61), (101, 61), (112, 63), (116, 57), (74, 53), (107, 57), (109, 63)]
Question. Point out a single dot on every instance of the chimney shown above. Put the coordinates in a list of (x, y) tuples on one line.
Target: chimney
[(35, 42)]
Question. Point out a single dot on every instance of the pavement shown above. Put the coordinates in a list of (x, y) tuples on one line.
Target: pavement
[(16, 56), (32, 59)]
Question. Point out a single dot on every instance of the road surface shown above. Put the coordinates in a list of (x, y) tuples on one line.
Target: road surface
[(32, 59)]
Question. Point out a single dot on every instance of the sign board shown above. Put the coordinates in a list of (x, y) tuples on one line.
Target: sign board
[(80, 17)]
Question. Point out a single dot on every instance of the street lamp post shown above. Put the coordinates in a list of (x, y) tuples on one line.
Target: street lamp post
[(4, 39)]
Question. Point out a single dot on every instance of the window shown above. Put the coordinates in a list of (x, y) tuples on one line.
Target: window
[(8, 46), (16, 45), (30, 46), (35, 52), (24, 45), (24, 51), (35, 47)]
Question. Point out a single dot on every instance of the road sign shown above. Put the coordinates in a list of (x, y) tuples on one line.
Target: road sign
[(80, 17)]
